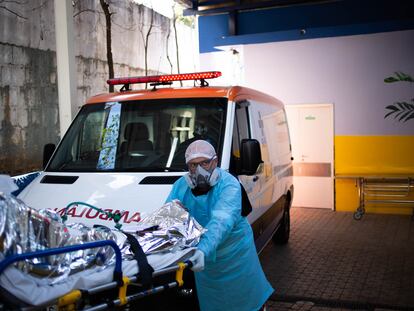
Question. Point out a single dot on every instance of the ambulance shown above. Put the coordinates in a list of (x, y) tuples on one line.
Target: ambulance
[(122, 153)]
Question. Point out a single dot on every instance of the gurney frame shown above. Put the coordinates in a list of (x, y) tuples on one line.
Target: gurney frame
[(77, 298)]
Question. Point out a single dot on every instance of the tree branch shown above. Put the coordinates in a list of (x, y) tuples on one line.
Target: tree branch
[(105, 8), (166, 46), (12, 12), (130, 28), (40, 6), (176, 43), (12, 1), (86, 10)]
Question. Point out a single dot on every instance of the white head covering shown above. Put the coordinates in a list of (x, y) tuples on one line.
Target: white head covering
[(199, 149)]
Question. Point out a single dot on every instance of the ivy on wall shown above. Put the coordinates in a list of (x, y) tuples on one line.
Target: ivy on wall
[(403, 111)]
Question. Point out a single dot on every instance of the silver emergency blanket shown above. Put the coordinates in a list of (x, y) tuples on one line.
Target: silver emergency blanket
[(23, 229), (168, 228)]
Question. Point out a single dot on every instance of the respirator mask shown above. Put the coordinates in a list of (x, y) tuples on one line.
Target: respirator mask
[(202, 180)]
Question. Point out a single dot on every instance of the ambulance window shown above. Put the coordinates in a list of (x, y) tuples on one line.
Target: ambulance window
[(139, 136), (241, 128), (88, 142)]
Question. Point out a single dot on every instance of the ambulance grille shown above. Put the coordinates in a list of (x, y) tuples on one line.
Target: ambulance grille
[(159, 180)]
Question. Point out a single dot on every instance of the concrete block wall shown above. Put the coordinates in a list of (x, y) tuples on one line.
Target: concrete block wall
[(28, 83), (29, 110)]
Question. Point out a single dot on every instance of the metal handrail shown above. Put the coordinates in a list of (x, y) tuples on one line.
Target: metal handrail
[(390, 201)]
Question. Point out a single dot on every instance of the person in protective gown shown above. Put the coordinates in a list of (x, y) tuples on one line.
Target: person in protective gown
[(227, 270)]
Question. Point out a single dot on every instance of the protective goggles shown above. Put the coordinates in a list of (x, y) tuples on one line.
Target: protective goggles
[(204, 164)]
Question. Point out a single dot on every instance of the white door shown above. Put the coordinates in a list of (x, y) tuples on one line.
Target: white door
[(312, 134)]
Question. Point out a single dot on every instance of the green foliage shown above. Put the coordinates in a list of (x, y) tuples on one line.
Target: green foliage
[(399, 76), (179, 16), (402, 111), (187, 20)]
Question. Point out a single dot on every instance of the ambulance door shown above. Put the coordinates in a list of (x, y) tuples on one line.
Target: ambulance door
[(242, 130), (259, 116)]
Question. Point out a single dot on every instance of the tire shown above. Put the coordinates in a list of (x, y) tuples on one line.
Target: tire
[(282, 233)]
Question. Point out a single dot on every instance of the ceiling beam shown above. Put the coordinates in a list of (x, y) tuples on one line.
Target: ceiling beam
[(212, 7), (186, 3)]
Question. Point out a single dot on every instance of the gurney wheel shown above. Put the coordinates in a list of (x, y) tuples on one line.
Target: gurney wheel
[(358, 215)]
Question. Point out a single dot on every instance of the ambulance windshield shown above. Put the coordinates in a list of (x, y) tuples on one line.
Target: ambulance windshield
[(139, 136)]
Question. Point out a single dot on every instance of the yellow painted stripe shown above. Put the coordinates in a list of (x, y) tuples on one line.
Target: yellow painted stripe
[(374, 154)]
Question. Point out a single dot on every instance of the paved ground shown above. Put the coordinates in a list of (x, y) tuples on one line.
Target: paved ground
[(333, 262)]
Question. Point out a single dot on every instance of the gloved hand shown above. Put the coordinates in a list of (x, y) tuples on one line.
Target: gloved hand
[(198, 261)]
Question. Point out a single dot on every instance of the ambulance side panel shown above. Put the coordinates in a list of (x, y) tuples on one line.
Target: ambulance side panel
[(274, 177)]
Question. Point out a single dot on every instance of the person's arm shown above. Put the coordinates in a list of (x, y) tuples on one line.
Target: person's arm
[(172, 195), (177, 191), (224, 215)]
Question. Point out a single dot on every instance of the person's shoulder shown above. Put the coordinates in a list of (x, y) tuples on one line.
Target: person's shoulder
[(179, 182), (227, 177)]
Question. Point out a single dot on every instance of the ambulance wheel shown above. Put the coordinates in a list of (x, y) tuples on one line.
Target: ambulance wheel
[(282, 234)]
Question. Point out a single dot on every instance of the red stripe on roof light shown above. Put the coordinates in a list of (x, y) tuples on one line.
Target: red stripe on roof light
[(166, 78)]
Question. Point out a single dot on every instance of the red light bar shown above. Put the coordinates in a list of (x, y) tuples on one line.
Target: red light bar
[(166, 78)]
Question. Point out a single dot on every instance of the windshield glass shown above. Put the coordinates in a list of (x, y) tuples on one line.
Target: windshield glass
[(141, 136)]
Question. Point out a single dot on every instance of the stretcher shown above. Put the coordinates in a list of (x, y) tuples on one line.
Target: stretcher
[(48, 264), (388, 190), (92, 289)]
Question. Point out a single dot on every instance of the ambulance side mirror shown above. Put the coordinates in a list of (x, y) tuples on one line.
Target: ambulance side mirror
[(48, 150), (251, 156)]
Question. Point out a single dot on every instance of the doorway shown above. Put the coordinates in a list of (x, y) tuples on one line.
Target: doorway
[(312, 135)]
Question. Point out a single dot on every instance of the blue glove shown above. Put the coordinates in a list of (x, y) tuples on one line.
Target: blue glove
[(198, 261)]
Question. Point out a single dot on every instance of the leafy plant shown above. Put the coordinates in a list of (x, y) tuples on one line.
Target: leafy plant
[(399, 76), (402, 110)]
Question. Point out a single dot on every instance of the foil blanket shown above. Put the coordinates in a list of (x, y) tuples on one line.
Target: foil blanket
[(23, 229)]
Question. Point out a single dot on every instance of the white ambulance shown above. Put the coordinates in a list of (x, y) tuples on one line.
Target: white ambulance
[(123, 151)]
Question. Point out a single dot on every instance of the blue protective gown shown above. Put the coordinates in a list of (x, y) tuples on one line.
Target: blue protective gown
[(233, 278)]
